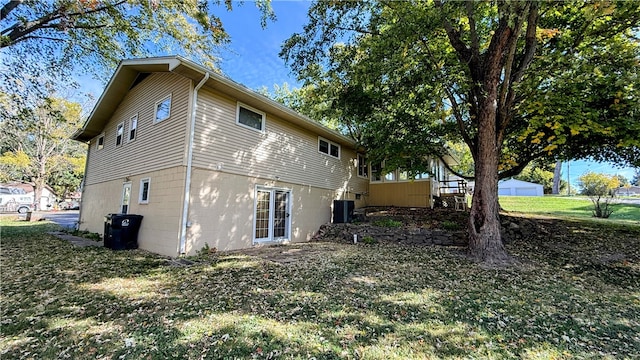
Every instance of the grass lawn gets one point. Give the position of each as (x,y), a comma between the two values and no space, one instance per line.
(577,295)
(569,207)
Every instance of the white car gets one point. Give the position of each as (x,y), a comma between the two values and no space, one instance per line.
(13,200)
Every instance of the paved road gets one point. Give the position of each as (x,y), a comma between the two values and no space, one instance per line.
(67,218)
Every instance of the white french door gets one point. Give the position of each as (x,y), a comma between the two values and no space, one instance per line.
(272,217)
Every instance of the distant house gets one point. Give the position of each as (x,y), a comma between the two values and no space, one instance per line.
(628,191)
(207,161)
(513,187)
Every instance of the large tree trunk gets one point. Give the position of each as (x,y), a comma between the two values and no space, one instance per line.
(38,184)
(557,172)
(485,239)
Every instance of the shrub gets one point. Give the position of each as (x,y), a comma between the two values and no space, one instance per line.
(450,225)
(386,222)
(369,240)
(600,189)
(85,234)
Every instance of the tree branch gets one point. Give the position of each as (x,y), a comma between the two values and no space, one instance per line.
(18,31)
(466,177)
(507,93)
(464,54)
(59,26)
(38,37)
(98,9)
(459,120)
(475,43)
(530,43)
(9,7)
(516,170)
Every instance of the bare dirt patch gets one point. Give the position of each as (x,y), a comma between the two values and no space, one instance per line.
(287,253)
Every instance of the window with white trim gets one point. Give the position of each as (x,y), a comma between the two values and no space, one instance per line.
(363,169)
(100,142)
(376,172)
(144,191)
(133,127)
(119,134)
(163,109)
(249,117)
(328,147)
(390,176)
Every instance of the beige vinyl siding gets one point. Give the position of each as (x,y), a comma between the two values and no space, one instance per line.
(157,146)
(160,227)
(282,152)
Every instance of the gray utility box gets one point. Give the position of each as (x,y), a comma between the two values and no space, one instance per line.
(121,231)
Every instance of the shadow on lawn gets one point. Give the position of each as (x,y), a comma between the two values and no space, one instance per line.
(378,301)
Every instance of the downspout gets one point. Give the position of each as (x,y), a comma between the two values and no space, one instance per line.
(187,183)
(83,184)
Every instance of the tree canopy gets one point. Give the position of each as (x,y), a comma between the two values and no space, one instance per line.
(100,33)
(392,63)
(36,145)
(516,81)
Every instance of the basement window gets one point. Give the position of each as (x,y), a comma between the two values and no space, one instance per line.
(144,191)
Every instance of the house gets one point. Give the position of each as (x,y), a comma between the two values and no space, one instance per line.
(513,187)
(630,190)
(208,162)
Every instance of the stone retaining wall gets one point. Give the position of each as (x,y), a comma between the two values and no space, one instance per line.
(420,227)
(400,235)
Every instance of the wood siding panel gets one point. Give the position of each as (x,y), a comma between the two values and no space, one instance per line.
(283,151)
(403,194)
(156,146)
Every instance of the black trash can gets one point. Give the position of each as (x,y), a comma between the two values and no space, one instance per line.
(343,211)
(107,231)
(121,231)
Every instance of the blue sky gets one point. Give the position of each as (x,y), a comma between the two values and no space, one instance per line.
(252,59)
(580,167)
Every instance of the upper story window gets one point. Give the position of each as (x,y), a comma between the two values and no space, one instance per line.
(249,117)
(119,134)
(328,147)
(363,169)
(133,126)
(163,109)
(100,142)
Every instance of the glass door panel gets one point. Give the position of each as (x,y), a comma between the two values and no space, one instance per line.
(126,197)
(272,214)
(263,203)
(281,214)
